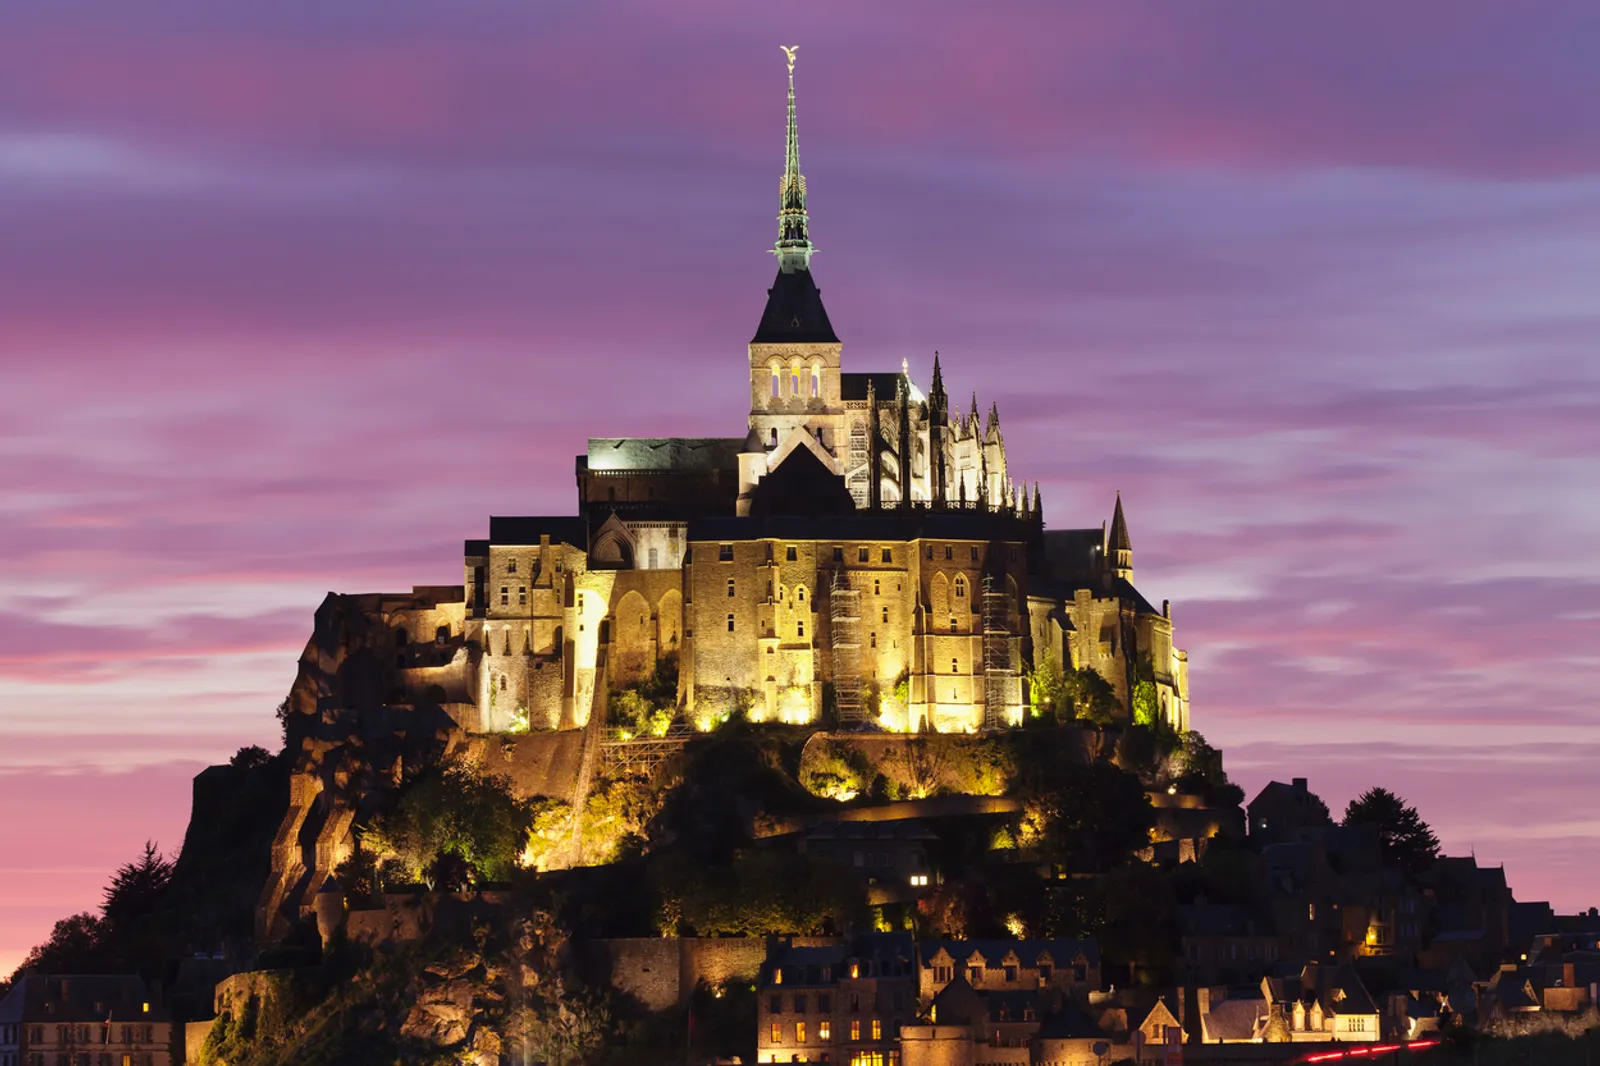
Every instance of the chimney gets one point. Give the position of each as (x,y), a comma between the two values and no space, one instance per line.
(1299,784)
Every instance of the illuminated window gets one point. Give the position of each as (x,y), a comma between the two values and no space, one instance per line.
(855,971)
(961,587)
(730,623)
(777,977)
(791,554)
(855,1029)
(824,1030)
(774,1036)
(877,1029)
(799,1032)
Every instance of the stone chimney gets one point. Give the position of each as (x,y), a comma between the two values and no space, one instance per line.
(1299,784)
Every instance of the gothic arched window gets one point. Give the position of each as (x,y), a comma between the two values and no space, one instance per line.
(816,382)
(775,384)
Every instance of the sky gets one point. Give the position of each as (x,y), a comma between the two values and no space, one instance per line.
(294,295)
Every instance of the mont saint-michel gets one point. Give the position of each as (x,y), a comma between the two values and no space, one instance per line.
(806,740)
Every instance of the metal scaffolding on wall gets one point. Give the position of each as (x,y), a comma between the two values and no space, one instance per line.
(999,675)
(844,603)
(639,756)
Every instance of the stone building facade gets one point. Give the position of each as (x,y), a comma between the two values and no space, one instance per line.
(860,551)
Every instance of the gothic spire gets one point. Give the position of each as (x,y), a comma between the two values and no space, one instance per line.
(794,243)
(1038,507)
(1119,529)
(1119,548)
(938,378)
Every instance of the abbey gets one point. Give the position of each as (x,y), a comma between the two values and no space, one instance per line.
(859,553)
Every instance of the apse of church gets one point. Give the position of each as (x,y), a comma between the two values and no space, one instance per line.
(857,554)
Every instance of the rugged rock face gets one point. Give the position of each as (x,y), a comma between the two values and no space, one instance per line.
(382,691)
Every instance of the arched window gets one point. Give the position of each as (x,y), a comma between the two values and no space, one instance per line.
(502,682)
(774,435)
(794,383)
(775,385)
(400,637)
(800,594)
(816,382)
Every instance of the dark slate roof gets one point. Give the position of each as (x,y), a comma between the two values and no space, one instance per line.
(885,386)
(1072,553)
(1062,952)
(802,486)
(87,998)
(794,313)
(1071,1022)
(520,530)
(664,453)
(1236,1019)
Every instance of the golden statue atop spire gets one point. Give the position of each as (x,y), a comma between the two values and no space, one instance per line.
(789,50)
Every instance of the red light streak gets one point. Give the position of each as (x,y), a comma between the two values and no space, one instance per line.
(1368,1051)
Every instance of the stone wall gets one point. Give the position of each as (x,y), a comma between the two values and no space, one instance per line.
(662,972)
(194,1040)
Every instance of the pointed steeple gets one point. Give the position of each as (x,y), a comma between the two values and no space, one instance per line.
(1038,507)
(794,246)
(1119,549)
(938,377)
(972,416)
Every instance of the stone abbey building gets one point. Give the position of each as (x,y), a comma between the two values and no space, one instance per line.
(858,551)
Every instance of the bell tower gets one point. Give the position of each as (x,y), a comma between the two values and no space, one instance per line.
(794,355)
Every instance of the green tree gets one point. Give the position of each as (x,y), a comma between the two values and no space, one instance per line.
(454,817)
(1092,698)
(1087,817)
(1047,690)
(1406,840)
(76,945)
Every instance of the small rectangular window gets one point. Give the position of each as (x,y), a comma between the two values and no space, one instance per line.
(791,554)
(511,566)
(725,553)
(930,551)
(863,554)
(886,616)
(949,551)
(522,595)
(838,554)
(505,596)
(776,1006)
(730,588)
(800,630)
(888,555)
(799,1004)
(730,623)
(974,553)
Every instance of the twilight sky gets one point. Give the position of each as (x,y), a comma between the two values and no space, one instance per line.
(293,295)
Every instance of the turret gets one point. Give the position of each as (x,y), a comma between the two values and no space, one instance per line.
(1119,549)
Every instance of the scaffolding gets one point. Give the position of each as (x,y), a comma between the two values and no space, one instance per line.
(640,756)
(845,618)
(999,674)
